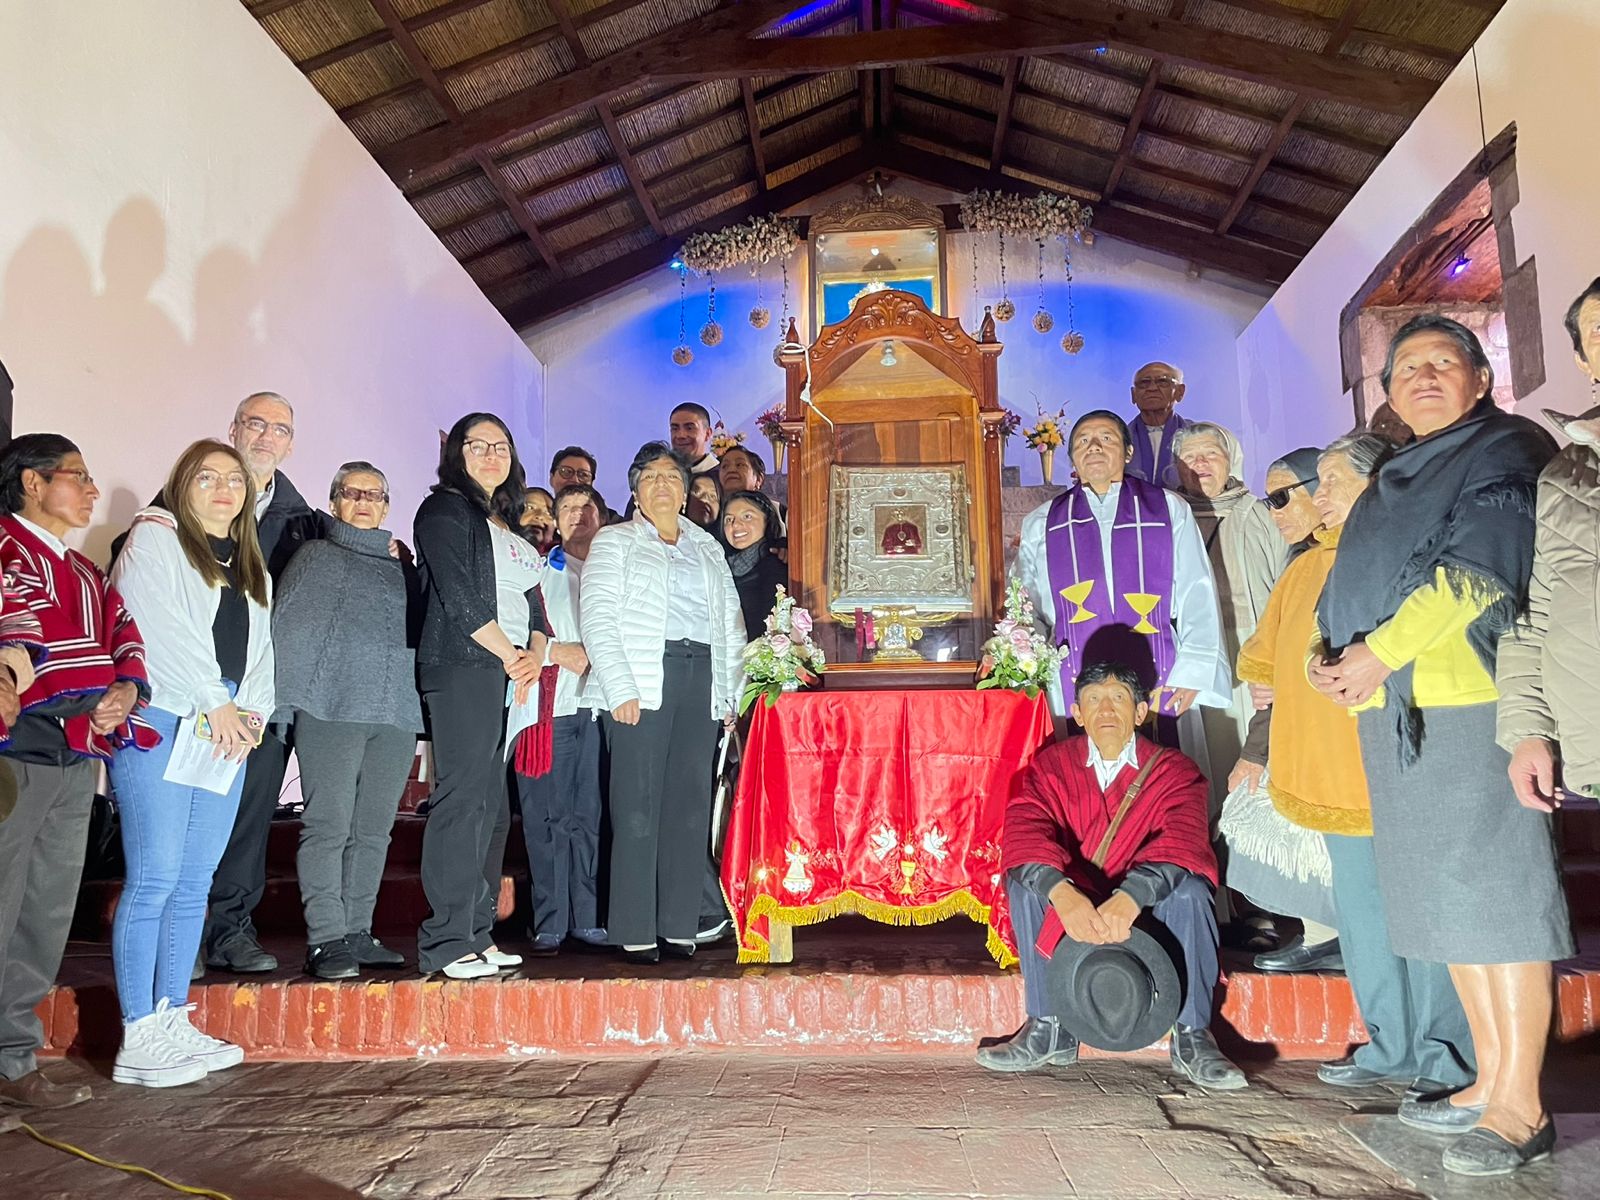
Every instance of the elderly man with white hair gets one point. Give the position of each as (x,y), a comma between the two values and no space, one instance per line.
(1157,388)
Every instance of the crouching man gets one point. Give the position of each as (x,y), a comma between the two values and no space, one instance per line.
(1107,830)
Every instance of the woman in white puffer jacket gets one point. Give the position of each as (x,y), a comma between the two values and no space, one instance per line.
(665,639)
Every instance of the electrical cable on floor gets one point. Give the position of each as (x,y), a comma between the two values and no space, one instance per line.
(126,1168)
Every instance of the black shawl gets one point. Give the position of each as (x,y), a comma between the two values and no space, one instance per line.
(1462,499)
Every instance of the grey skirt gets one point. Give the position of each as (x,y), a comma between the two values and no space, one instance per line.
(1466,873)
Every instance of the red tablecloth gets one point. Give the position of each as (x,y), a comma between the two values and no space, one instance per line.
(888,804)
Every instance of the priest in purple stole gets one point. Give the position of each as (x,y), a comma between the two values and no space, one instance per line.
(1157,388)
(1118,573)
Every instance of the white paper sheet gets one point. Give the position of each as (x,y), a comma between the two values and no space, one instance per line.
(193,765)
(519,716)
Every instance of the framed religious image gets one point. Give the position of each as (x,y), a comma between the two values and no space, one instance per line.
(898,537)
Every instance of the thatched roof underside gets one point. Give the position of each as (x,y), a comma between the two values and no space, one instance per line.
(559,148)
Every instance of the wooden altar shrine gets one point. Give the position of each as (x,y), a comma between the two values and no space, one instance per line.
(892,418)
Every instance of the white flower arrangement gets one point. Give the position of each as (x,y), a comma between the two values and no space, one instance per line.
(784,658)
(1018,656)
(757,240)
(1044,215)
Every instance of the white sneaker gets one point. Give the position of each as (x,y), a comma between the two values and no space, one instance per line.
(150,1058)
(213,1054)
(499,958)
(474,966)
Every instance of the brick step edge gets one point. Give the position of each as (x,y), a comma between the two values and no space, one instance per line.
(1296,1017)
(402,905)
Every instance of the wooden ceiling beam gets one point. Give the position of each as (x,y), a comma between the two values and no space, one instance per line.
(419,63)
(1002,111)
(1233,108)
(1313,20)
(1187,141)
(724,49)
(1254,60)
(527,110)
(360,45)
(570,293)
(752,120)
(583,174)
(444,12)
(1196,245)
(1347,20)
(608,120)
(1141,106)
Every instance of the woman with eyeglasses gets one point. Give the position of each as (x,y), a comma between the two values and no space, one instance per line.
(195,581)
(1416,1029)
(481,623)
(1433,567)
(665,640)
(347,681)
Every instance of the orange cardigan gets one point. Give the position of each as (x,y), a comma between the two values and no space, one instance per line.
(1314,772)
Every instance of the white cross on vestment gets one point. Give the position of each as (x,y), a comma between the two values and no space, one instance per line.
(1138,525)
(1072,542)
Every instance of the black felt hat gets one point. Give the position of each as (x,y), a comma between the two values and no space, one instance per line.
(1123,996)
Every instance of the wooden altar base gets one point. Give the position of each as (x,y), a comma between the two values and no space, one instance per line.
(857,987)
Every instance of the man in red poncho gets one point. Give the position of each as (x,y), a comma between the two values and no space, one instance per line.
(1159,859)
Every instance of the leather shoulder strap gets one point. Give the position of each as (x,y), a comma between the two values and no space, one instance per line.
(1098,858)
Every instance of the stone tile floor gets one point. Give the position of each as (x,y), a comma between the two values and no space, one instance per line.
(704,1126)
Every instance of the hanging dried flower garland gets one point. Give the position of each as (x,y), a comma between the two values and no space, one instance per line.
(1041,216)
(711,332)
(681,353)
(753,242)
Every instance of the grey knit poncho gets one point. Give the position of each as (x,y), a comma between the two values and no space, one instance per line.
(339,632)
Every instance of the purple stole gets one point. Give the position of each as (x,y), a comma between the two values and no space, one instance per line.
(1156,471)
(1135,625)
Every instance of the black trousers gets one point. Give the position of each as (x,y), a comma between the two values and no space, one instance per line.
(241,877)
(467,712)
(661,805)
(1185,923)
(561,826)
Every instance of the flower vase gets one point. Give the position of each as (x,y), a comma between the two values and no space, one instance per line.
(1047,462)
(779,448)
(790,685)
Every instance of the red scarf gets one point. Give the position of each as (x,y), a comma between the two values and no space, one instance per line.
(536,744)
(1059,815)
(91,639)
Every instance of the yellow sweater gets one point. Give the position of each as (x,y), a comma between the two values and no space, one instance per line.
(1429,630)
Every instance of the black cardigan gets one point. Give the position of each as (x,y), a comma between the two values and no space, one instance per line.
(758,591)
(456,568)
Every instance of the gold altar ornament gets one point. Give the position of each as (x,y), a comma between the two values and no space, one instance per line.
(898,631)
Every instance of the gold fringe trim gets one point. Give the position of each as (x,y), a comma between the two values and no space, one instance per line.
(755,949)
(1345,822)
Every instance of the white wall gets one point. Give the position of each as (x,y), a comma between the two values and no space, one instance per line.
(1537,62)
(183,220)
(610,381)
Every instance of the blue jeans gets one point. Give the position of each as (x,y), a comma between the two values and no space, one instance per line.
(172,838)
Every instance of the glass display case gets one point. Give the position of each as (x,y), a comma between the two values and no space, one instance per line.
(892,419)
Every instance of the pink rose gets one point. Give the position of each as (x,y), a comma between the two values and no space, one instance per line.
(781,645)
(801,620)
(1021,640)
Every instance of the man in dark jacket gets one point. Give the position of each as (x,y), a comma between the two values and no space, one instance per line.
(263,434)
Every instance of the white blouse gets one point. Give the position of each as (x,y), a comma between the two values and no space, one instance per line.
(517,567)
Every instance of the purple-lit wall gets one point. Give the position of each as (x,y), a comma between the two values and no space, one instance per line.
(610,381)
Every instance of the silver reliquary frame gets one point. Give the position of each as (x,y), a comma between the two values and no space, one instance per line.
(898,536)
